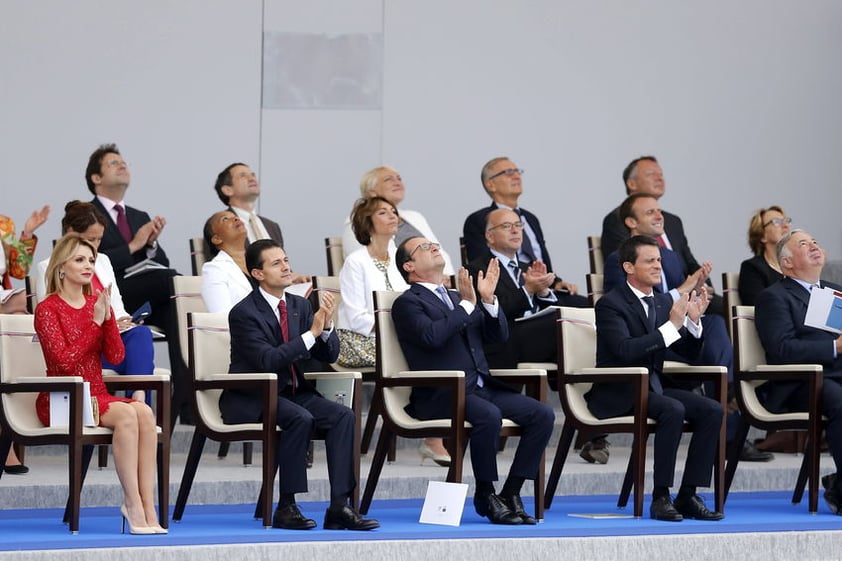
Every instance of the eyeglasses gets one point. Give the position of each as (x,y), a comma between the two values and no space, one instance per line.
(779,221)
(426,246)
(507,226)
(116,163)
(507,172)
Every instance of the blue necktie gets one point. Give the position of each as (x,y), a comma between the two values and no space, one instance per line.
(517,272)
(442,292)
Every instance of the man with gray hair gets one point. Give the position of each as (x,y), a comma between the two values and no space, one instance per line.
(780,312)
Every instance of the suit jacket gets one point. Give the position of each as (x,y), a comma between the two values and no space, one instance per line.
(223,284)
(474,233)
(532,341)
(614,232)
(433,337)
(755,275)
(256,346)
(624,338)
(671,265)
(117,249)
(779,317)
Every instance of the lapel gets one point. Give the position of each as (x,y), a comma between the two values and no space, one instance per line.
(637,306)
(797,291)
(269,322)
(294,312)
(431,299)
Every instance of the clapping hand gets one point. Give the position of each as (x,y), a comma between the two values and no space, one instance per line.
(487,283)
(102,306)
(697,304)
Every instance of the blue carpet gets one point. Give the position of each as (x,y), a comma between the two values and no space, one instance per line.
(230,524)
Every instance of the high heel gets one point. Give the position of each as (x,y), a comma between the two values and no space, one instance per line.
(426,452)
(158,529)
(133,530)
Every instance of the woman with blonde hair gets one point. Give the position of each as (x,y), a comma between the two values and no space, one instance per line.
(766,227)
(76,328)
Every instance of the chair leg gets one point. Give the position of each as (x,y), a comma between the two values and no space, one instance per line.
(564,441)
(193,457)
(163,462)
(85,462)
(625,490)
(102,458)
(371,422)
(5,446)
(734,454)
(393,446)
(383,443)
(248,452)
(258,508)
(223,450)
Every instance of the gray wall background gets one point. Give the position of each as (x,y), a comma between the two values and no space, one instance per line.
(738,100)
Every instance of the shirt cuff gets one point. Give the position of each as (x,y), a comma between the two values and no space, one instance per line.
(669,333)
(309,340)
(695,329)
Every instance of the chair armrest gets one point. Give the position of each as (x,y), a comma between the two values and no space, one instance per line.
(806,368)
(224,381)
(424,378)
(782,372)
(518,372)
(704,373)
(430,374)
(333,375)
(29,384)
(604,374)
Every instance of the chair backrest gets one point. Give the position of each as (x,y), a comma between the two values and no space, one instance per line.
(187,295)
(334,252)
(731,298)
(577,339)
(390,358)
(322,284)
(20,356)
(596,288)
(198,255)
(210,353)
(31,296)
(463,251)
(748,350)
(595,257)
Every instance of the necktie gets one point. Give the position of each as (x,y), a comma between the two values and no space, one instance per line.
(122,223)
(526,245)
(517,272)
(661,241)
(654,378)
(254,223)
(282,312)
(442,292)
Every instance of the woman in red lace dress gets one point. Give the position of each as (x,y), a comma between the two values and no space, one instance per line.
(76,328)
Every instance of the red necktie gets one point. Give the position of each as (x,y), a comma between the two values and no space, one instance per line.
(661,241)
(123,224)
(282,312)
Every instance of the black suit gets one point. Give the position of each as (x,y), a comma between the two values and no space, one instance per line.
(473,233)
(755,275)
(529,341)
(257,346)
(626,338)
(434,337)
(152,286)
(614,232)
(779,316)
(272,228)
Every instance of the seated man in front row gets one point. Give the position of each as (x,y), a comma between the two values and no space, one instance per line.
(780,311)
(276,332)
(634,327)
(440,330)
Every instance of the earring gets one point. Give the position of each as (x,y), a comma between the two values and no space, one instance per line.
(61,275)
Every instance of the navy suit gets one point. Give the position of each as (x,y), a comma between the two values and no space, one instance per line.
(625,338)
(529,341)
(779,317)
(434,337)
(476,246)
(717,349)
(272,228)
(257,346)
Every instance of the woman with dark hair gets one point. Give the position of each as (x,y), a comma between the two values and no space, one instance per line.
(767,226)
(85,220)
(76,328)
(225,279)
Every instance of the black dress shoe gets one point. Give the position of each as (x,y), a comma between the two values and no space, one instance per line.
(750,453)
(595,451)
(290,518)
(345,518)
(516,505)
(832,496)
(19,469)
(496,509)
(829,481)
(662,509)
(694,507)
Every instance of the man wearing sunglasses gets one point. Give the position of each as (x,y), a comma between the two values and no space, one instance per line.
(502,180)
(440,329)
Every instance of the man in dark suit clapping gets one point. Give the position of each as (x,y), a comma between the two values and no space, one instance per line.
(634,327)
(780,311)
(276,332)
(439,329)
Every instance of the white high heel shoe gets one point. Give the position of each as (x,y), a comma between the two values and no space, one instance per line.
(426,452)
(133,529)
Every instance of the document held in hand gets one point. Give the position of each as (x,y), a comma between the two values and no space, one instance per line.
(60,408)
(825,310)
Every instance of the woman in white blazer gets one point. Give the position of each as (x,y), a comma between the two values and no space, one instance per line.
(225,280)
(85,219)
(374,221)
(386,182)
